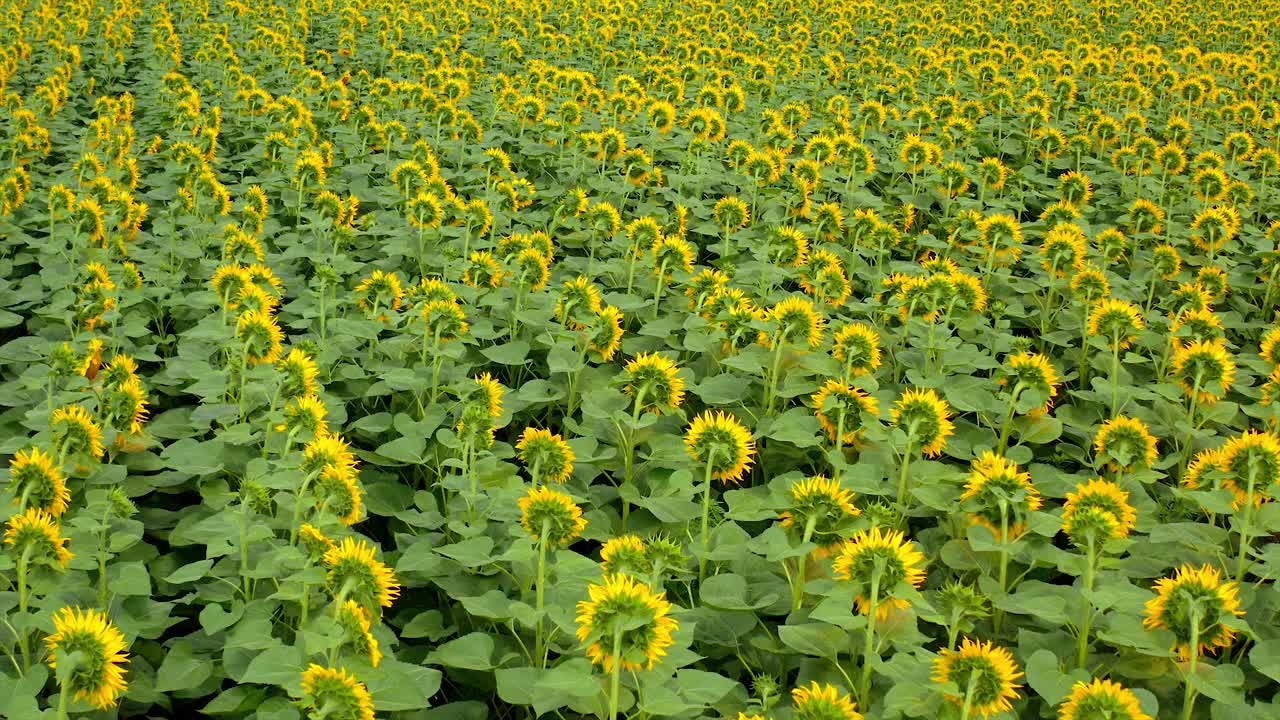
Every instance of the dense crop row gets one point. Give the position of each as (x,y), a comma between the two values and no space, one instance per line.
(810,360)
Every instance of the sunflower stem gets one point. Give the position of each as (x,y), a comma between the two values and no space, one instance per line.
(1082,641)
(1188,691)
(1007,426)
(1004,561)
(616,672)
(540,657)
(797,590)
(64,694)
(869,644)
(1246,519)
(902,474)
(661,285)
(1115,374)
(968,695)
(706,515)
(771,384)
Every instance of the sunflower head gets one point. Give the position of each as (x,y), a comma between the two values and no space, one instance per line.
(35,475)
(298,374)
(1098,508)
(490,393)
(796,320)
(840,407)
(999,495)
(1031,373)
(1205,370)
(883,559)
(722,443)
(338,691)
(623,621)
(126,406)
(327,450)
(703,286)
(857,347)
(579,301)
(260,336)
(1116,321)
(1194,597)
(1125,443)
(354,573)
(1269,348)
(604,334)
(356,622)
(98,678)
(1089,285)
(444,319)
(305,414)
(1166,261)
(654,382)
(36,535)
(823,702)
(990,670)
(483,271)
(547,456)
(551,514)
(820,508)
(1101,700)
(1251,463)
(1195,325)
(76,433)
(625,554)
(925,418)
(337,490)
(315,541)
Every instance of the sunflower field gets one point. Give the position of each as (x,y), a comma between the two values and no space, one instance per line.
(639,359)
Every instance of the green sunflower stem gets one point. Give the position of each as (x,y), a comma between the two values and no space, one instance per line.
(902,474)
(771,382)
(661,285)
(615,679)
(1246,520)
(998,618)
(967,707)
(1188,691)
(1082,364)
(1191,419)
(706,516)
(540,656)
(1082,641)
(297,509)
(869,644)
(797,590)
(1007,426)
(1115,375)
(64,695)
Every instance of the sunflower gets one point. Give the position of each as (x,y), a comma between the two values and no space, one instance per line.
(315,541)
(126,406)
(483,271)
(1098,506)
(338,491)
(75,432)
(604,336)
(36,534)
(491,393)
(444,320)
(98,678)
(623,621)
(35,476)
(1063,249)
(579,301)
(337,692)
(839,408)
(1101,700)
(1188,297)
(554,513)
(857,347)
(669,253)
(730,214)
(1269,348)
(823,702)
(327,450)
(624,554)
(1032,373)
(1194,598)
(261,338)
(1205,370)
(1075,188)
(1165,261)
(1118,321)
(1089,285)
(703,286)
(654,382)
(1126,443)
(305,413)
(925,418)
(1202,325)
(721,442)
(999,495)
(355,573)
(1252,465)
(795,319)
(356,623)
(987,673)
(821,507)
(299,375)
(888,551)
(547,456)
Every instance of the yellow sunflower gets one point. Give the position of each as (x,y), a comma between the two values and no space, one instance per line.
(337,692)
(623,621)
(1194,599)
(1101,699)
(897,560)
(355,573)
(547,456)
(721,442)
(99,677)
(984,672)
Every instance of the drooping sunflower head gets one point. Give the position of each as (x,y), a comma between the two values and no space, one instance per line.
(36,534)
(298,375)
(703,286)
(672,253)
(1117,321)
(125,406)
(1125,443)
(796,320)
(483,270)
(579,301)
(1195,325)
(444,320)
(1090,285)
(547,456)
(990,668)
(1188,297)
(970,295)
(720,442)
(260,336)
(553,513)
(1252,465)
(840,407)
(490,392)
(338,691)
(925,418)
(1064,249)
(306,415)
(1166,261)
(119,370)
(1269,348)
(1214,281)
(820,507)
(35,475)
(1101,700)
(532,268)
(227,281)
(1199,597)
(337,490)
(356,574)
(1075,188)
(999,495)
(430,290)
(624,554)
(823,702)
(315,541)
(604,334)
(857,347)
(75,432)
(327,450)
(1099,508)
(1205,370)
(621,609)
(888,553)
(356,622)
(654,382)
(731,213)
(1031,373)
(99,677)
